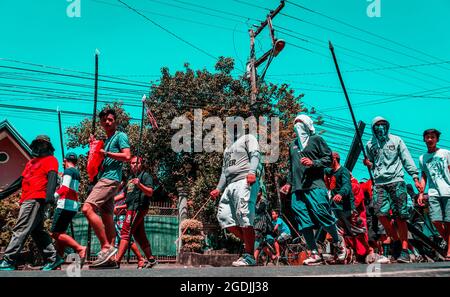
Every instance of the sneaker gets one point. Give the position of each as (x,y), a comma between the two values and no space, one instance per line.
(7,265)
(151,263)
(245,260)
(404,257)
(110,264)
(103,257)
(383,260)
(53,265)
(141,263)
(340,251)
(314,259)
(240,259)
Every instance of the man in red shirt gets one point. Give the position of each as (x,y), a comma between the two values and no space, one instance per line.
(38,182)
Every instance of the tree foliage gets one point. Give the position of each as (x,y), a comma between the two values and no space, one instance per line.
(216,94)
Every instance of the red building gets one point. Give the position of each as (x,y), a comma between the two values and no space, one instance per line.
(14,154)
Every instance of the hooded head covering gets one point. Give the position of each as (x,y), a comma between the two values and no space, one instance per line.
(304,128)
(380,132)
(41,146)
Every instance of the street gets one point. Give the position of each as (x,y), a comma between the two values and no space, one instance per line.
(439,269)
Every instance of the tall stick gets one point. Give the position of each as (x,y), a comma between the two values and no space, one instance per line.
(350,108)
(94,116)
(62,153)
(142,125)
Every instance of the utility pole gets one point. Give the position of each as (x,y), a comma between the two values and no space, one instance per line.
(277,46)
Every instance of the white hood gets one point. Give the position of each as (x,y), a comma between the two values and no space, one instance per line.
(304,129)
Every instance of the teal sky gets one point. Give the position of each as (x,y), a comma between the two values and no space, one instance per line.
(133,48)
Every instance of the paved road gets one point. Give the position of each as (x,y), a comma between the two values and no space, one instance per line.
(441,269)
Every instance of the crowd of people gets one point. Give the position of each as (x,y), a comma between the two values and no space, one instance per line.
(367,221)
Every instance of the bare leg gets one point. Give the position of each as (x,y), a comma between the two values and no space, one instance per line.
(97,225)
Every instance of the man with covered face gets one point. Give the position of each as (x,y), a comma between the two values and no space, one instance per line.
(38,182)
(387,155)
(239,187)
(309,155)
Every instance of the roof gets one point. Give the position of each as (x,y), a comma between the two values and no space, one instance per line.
(6,125)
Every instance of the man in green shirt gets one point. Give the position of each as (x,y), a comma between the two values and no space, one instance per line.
(101,198)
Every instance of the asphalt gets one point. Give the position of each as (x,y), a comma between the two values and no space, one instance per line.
(439,269)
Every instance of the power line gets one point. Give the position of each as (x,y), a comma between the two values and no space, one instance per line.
(169,32)
(365,31)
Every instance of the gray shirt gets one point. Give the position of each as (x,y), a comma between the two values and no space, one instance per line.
(239,159)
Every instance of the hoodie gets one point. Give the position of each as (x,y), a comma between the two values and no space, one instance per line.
(389,156)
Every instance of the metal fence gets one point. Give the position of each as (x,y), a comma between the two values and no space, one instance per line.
(161,226)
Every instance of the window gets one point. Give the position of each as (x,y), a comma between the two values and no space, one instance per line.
(4,157)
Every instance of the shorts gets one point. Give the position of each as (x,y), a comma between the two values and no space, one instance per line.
(312,207)
(102,195)
(393,197)
(61,220)
(237,204)
(439,209)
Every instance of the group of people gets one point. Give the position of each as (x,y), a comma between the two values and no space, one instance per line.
(39,183)
(357,218)
(360,219)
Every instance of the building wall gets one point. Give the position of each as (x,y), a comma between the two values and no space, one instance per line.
(12,169)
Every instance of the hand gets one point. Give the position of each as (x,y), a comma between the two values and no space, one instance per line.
(251,178)
(421,200)
(135,181)
(337,198)
(105,153)
(368,163)
(306,162)
(418,185)
(285,189)
(214,194)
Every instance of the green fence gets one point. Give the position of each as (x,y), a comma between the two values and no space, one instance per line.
(162,232)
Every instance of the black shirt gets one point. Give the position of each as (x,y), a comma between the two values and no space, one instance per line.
(303,178)
(135,198)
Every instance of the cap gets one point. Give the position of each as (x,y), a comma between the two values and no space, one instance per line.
(71,156)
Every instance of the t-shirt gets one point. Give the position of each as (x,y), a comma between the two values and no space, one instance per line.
(435,166)
(67,194)
(135,198)
(283,227)
(34,183)
(111,168)
(237,157)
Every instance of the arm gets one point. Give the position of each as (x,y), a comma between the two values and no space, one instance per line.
(346,184)
(407,161)
(325,159)
(123,156)
(52,182)
(148,191)
(119,197)
(254,154)
(12,188)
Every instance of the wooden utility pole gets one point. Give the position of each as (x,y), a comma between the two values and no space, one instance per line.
(277,46)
